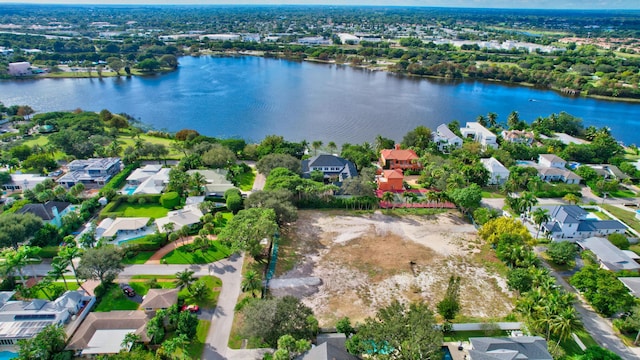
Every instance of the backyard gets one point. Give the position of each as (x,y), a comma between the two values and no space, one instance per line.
(141,210)
(365,261)
(189,255)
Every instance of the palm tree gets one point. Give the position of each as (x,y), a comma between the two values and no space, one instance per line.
(129,340)
(251,282)
(332,146)
(571,198)
(169,227)
(564,323)
(68,253)
(528,200)
(492,117)
(389,198)
(481,120)
(184,279)
(540,216)
(316,145)
(58,269)
(197,182)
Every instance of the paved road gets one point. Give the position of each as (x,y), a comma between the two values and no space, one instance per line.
(600,329)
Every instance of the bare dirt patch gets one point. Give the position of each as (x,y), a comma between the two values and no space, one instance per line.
(366,261)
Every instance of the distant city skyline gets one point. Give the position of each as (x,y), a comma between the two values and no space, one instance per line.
(506,4)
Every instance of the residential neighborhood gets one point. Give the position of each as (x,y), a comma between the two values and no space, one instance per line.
(119,247)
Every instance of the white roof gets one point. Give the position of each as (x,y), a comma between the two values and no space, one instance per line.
(188,216)
(477,127)
(494,166)
(143,173)
(154,184)
(106,341)
(128,224)
(608,254)
(552,158)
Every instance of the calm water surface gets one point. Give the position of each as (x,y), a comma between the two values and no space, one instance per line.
(251,97)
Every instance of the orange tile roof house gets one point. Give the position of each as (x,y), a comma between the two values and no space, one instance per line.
(391,180)
(399,159)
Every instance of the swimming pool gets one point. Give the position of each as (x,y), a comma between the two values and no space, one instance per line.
(129,189)
(6,355)
(447,353)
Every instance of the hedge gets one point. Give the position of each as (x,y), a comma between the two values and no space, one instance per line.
(170,200)
(117,181)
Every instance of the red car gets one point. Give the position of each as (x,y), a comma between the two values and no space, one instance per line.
(191,308)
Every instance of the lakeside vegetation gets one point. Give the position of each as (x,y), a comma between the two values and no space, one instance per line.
(559,52)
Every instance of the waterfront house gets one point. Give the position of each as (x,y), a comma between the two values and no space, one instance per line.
(22,68)
(498,173)
(573,222)
(50,212)
(608,171)
(480,134)
(399,159)
(333,167)
(391,180)
(216,179)
(552,168)
(608,255)
(187,216)
(518,136)
(446,139)
(124,228)
(150,179)
(512,348)
(91,172)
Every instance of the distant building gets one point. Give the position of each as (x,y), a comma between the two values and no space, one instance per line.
(480,134)
(23,182)
(110,228)
(608,171)
(446,139)
(498,174)
(217,182)
(511,348)
(91,172)
(333,167)
(518,136)
(221,37)
(399,159)
(314,40)
(20,68)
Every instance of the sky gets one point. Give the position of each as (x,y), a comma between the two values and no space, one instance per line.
(523,4)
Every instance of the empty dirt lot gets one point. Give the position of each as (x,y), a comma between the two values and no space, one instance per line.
(365,261)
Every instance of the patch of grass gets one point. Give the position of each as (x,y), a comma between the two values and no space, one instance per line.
(115,299)
(620,193)
(245,181)
(153,276)
(571,347)
(235,338)
(635,248)
(139,258)
(213,284)
(141,210)
(72,285)
(599,214)
(196,347)
(127,140)
(457,336)
(142,288)
(182,255)
(628,217)
(492,194)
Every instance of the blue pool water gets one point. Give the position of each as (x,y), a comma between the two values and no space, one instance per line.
(447,353)
(128,190)
(6,355)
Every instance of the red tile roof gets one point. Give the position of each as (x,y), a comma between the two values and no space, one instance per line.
(399,154)
(392,174)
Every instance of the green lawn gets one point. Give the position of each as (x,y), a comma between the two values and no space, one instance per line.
(182,255)
(465,335)
(153,276)
(492,195)
(48,252)
(628,217)
(142,288)
(245,181)
(127,140)
(155,211)
(71,284)
(213,283)
(571,347)
(115,299)
(226,217)
(196,347)
(139,258)
(623,193)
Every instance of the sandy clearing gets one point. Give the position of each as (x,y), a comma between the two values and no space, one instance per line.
(366,261)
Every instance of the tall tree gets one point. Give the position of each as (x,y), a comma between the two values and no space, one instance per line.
(184,279)
(540,216)
(103,263)
(251,282)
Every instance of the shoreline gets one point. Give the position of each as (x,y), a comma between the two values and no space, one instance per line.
(383,66)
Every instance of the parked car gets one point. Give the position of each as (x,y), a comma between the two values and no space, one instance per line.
(128,290)
(191,308)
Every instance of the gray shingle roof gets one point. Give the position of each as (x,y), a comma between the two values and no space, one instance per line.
(519,347)
(326,160)
(593,225)
(44,211)
(609,255)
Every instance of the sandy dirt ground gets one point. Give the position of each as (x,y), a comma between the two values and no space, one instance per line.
(366,261)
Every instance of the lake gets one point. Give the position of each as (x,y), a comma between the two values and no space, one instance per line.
(251,97)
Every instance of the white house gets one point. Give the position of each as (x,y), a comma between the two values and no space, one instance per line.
(446,139)
(23,182)
(550,160)
(572,222)
(480,134)
(333,167)
(20,68)
(498,173)
(552,168)
(150,179)
(518,136)
(121,227)
(187,216)
(90,172)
